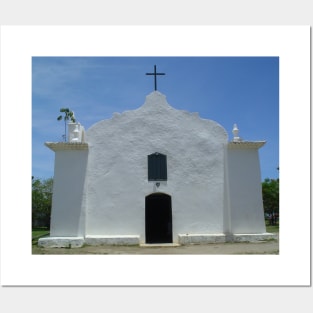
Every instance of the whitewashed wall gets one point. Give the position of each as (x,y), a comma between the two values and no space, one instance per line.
(101,179)
(67,214)
(117,181)
(245,214)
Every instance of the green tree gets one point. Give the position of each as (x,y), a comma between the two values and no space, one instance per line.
(41,201)
(68,116)
(270,193)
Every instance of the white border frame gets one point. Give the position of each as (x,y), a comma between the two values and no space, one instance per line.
(20,267)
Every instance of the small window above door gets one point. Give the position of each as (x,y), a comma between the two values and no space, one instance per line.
(157,167)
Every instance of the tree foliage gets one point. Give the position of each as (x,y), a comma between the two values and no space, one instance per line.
(41,201)
(270,193)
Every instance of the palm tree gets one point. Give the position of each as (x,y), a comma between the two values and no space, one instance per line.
(68,115)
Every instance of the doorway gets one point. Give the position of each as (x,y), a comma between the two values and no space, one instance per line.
(158,218)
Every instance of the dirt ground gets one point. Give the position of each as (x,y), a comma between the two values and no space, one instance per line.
(262,247)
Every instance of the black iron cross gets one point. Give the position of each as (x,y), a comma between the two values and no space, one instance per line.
(155,76)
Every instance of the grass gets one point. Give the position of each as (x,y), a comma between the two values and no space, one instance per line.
(272,228)
(38,233)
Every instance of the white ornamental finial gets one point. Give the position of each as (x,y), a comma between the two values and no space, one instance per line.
(235,133)
(75,134)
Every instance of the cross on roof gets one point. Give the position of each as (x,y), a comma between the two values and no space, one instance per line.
(155,76)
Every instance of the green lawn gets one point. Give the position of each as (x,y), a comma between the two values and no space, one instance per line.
(272,229)
(38,233)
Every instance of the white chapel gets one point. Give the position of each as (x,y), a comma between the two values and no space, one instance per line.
(155,175)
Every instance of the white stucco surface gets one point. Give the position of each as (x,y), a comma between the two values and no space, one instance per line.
(61,242)
(244,188)
(187,239)
(67,214)
(101,179)
(117,173)
(124,240)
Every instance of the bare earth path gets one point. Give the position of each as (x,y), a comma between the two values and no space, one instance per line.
(265,247)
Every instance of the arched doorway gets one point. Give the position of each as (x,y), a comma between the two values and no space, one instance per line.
(158,218)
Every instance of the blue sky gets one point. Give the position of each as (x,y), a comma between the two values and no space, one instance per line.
(228,90)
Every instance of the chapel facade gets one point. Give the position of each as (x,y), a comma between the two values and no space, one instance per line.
(155,175)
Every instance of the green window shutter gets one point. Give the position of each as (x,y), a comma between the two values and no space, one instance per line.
(157,167)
